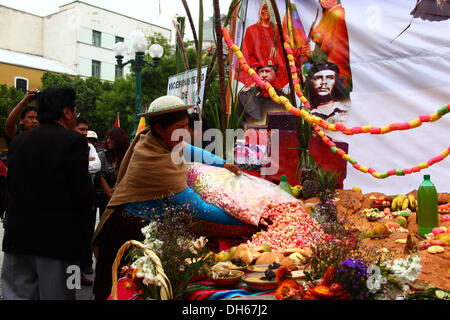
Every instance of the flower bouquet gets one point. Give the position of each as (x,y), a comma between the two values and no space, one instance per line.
(145,278)
(169,257)
(343,269)
(388,279)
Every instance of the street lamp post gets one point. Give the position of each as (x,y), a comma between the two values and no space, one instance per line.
(139,46)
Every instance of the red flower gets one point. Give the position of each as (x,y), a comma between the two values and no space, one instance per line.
(335,287)
(322,291)
(129,285)
(328,276)
(309,295)
(289,289)
(282,274)
(134,273)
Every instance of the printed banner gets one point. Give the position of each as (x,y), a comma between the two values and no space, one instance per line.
(363,63)
(184,85)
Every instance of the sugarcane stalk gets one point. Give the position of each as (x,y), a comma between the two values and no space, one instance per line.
(180,43)
(209,72)
(191,23)
(223,106)
(199,54)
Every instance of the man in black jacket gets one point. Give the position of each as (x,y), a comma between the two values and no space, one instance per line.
(49,198)
(255,102)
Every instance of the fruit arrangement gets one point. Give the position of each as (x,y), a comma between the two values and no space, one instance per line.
(444,208)
(403,213)
(383,201)
(384,229)
(436,241)
(297,191)
(373,214)
(403,202)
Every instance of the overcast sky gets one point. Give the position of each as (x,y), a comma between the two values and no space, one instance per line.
(159,12)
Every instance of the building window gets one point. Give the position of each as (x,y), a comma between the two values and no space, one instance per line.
(96,68)
(96,38)
(119,39)
(119,71)
(21,84)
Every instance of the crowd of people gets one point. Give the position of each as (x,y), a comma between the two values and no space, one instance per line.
(57,180)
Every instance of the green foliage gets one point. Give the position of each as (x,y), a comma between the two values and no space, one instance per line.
(233,5)
(337,247)
(120,98)
(211,104)
(9,98)
(433,293)
(51,79)
(326,210)
(155,80)
(327,181)
(100,101)
(171,237)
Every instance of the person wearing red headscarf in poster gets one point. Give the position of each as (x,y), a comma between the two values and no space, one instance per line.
(261,42)
(331,36)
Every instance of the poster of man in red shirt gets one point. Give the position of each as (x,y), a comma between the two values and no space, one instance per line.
(261,43)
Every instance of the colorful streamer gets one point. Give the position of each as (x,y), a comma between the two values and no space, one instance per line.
(318,122)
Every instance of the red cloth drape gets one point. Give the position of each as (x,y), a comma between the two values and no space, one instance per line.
(259,45)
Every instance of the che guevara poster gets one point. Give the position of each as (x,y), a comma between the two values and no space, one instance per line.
(388,62)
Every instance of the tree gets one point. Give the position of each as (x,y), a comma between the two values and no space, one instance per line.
(9,98)
(88,92)
(155,80)
(99,101)
(120,98)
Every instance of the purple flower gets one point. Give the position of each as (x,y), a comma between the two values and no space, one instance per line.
(350,263)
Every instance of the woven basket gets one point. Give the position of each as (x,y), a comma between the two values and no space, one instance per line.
(166,288)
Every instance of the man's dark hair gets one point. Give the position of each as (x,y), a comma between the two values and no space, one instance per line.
(273,66)
(26,110)
(166,119)
(52,102)
(338,92)
(81,120)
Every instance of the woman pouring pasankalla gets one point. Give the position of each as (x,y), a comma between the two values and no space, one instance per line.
(148,181)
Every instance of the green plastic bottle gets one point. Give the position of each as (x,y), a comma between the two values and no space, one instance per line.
(284,185)
(428,206)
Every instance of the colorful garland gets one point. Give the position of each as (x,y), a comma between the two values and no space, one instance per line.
(318,122)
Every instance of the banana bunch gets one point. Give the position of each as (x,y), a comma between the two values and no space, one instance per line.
(403,202)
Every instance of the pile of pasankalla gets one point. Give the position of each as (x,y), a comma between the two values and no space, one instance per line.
(289,227)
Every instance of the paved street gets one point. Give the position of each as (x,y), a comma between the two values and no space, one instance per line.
(85,293)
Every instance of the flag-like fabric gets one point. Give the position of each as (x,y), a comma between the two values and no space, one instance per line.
(292,25)
(117,124)
(141,125)
(208,52)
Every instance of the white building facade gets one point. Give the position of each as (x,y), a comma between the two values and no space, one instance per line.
(79,35)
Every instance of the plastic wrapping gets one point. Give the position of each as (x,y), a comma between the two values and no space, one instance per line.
(244,197)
